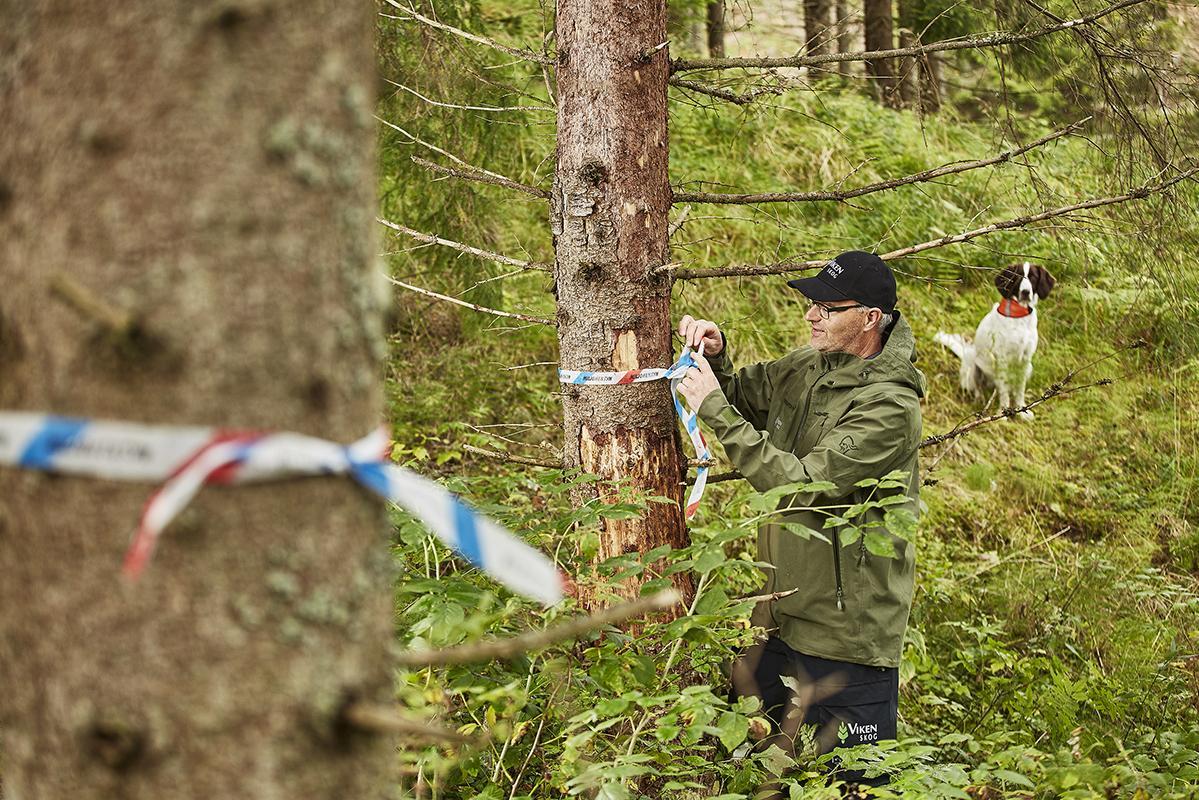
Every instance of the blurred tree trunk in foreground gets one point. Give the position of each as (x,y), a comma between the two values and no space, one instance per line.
(204,172)
(609,217)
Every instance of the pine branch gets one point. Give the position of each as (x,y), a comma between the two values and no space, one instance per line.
(472,306)
(429,238)
(995,39)
(926,175)
(1139,193)
(502,649)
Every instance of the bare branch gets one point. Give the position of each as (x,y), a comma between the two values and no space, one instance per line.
(387,719)
(1019,222)
(1139,193)
(114,320)
(995,39)
(495,177)
(724,94)
(527,55)
(926,175)
(514,459)
(429,238)
(482,176)
(678,222)
(500,649)
(464,304)
(457,107)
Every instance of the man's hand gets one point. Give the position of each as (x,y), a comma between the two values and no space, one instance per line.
(699,381)
(694,331)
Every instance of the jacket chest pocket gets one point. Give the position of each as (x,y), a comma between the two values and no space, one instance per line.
(780,422)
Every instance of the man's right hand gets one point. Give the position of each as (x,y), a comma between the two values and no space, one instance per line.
(696,331)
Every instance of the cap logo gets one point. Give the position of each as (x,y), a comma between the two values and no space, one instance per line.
(833,269)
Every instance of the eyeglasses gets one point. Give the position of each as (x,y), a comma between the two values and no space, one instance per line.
(825,311)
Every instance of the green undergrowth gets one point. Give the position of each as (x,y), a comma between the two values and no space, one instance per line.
(1054,643)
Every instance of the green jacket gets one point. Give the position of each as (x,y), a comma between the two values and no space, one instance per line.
(836,417)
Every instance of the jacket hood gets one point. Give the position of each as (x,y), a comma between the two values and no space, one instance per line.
(895,364)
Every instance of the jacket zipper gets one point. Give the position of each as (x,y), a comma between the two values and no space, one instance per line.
(836,536)
(837,569)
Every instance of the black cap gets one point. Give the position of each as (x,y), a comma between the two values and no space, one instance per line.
(854,275)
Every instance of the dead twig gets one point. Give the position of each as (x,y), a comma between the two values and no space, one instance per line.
(376,718)
(472,306)
(117,322)
(482,176)
(429,238)
(527,55)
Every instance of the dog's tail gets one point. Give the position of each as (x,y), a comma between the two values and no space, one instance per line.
(959,344)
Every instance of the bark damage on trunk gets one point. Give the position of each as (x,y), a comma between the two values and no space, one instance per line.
(204,172)
(609,217)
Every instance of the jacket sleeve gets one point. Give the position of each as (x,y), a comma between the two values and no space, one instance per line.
(747,390)
(864,443)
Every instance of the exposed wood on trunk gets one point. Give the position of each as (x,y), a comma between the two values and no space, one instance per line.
(208,171)
(609,215)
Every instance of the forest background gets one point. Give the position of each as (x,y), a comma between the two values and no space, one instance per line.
(1054,644)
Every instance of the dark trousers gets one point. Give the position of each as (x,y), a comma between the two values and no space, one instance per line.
(849,704)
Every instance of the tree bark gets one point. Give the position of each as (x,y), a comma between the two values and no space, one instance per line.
(609,217)
(909,72)
(716,29)
(931,84)
(880,36)
(844,40)
(818,20)
(208,170)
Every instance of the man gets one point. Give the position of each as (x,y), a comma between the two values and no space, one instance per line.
(844,408)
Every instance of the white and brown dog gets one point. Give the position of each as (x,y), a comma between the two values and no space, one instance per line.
(1000,357)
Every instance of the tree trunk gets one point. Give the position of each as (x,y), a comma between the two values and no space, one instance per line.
(818,20)
(880,36)
(716,29)
(909,72)
(208,169)
(931,88)
(844,38)
(609,216)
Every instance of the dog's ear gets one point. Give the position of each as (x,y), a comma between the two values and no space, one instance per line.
(1007,281)
(1042,281)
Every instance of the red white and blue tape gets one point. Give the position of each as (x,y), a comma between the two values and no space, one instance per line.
(187,458)
(674,373)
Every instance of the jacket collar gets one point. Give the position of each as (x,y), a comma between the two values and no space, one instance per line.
(893,363)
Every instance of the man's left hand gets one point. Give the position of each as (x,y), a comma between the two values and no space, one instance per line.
(699,382)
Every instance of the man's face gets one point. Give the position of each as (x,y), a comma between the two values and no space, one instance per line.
(842,331)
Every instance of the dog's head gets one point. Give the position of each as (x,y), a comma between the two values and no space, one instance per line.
(1025,283)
